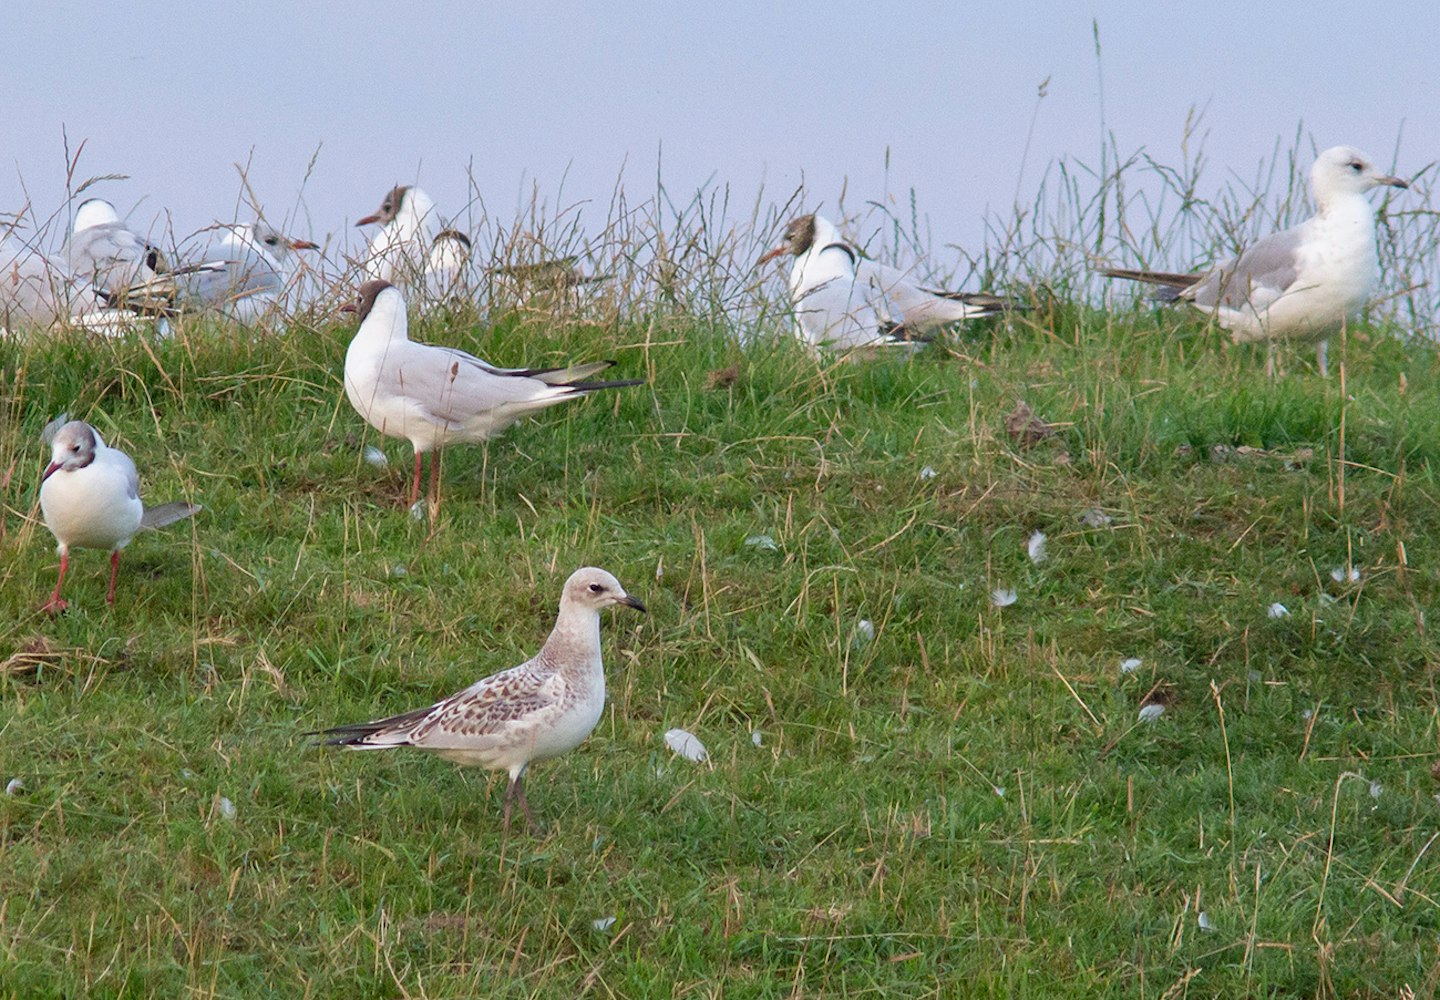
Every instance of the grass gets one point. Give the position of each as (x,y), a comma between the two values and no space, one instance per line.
(961,805)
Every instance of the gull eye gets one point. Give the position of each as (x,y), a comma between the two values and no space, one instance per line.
(1356,166)
(596,588)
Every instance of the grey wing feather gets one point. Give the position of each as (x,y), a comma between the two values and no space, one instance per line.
(110,255)
(1258,277)
(454,386)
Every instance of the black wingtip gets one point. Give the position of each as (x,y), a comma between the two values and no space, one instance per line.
(595,386)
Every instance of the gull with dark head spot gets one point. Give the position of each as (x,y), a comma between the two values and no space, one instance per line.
(1300,283)
(245,276)
(399,251)
(541,709)
(433,396)
(448,282)
(90,499)
(105,252)
(844,301)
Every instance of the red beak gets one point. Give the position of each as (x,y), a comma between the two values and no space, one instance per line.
(349,307)
(368,220)
(771,255)
(52,467)
(303,245)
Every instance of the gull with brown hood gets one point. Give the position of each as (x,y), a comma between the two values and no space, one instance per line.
(845,301)
(408,224)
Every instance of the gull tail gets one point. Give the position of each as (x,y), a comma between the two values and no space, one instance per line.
(1169,284)
(168,513)
(160,295)
(597,386)
(568,375)
(362,735)
(980,304)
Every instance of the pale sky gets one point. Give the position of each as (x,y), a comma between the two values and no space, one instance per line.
(741,93)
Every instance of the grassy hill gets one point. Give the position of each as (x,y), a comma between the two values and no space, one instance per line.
(910,792)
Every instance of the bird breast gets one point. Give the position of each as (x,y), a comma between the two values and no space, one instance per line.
(91,508)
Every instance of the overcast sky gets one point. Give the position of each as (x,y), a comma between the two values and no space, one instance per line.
(745,93)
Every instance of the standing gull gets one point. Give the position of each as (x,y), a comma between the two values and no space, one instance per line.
(844,301)
(1300,283)
(541,709)
(90,499)
(399,251)
(432,396)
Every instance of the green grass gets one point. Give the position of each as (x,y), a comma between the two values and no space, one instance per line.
(963,805)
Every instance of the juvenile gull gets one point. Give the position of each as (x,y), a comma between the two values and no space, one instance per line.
(541,709)
(1302,282)
(90,499)
(433,396)
(409,224)
(844,300)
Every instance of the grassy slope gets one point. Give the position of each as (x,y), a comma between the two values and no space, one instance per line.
(961,806)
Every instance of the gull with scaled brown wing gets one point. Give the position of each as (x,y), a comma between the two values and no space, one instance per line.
(541,709)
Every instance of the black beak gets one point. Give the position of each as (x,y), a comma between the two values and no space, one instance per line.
(632,602)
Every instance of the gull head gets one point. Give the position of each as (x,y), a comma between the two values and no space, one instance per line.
(593,588)
(369,294)
(276,243)
(1342,170)
(799,237)
(450,248)
(263,236)
(95,212)
(389,208)
(73,448)
(409,204)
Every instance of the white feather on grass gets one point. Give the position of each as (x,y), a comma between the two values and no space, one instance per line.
(686,744)
(1035,548)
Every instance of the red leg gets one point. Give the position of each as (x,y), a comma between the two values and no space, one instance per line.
(435,481)
(54,606)
(415,487)
(114,572)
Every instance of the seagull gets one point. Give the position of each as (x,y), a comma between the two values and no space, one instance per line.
(845,301)
(541,709)
(447,271)
(244,275)
(435,395)
(90,499)
(1300,283)
(39,292)
(103,251)
(398,252)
